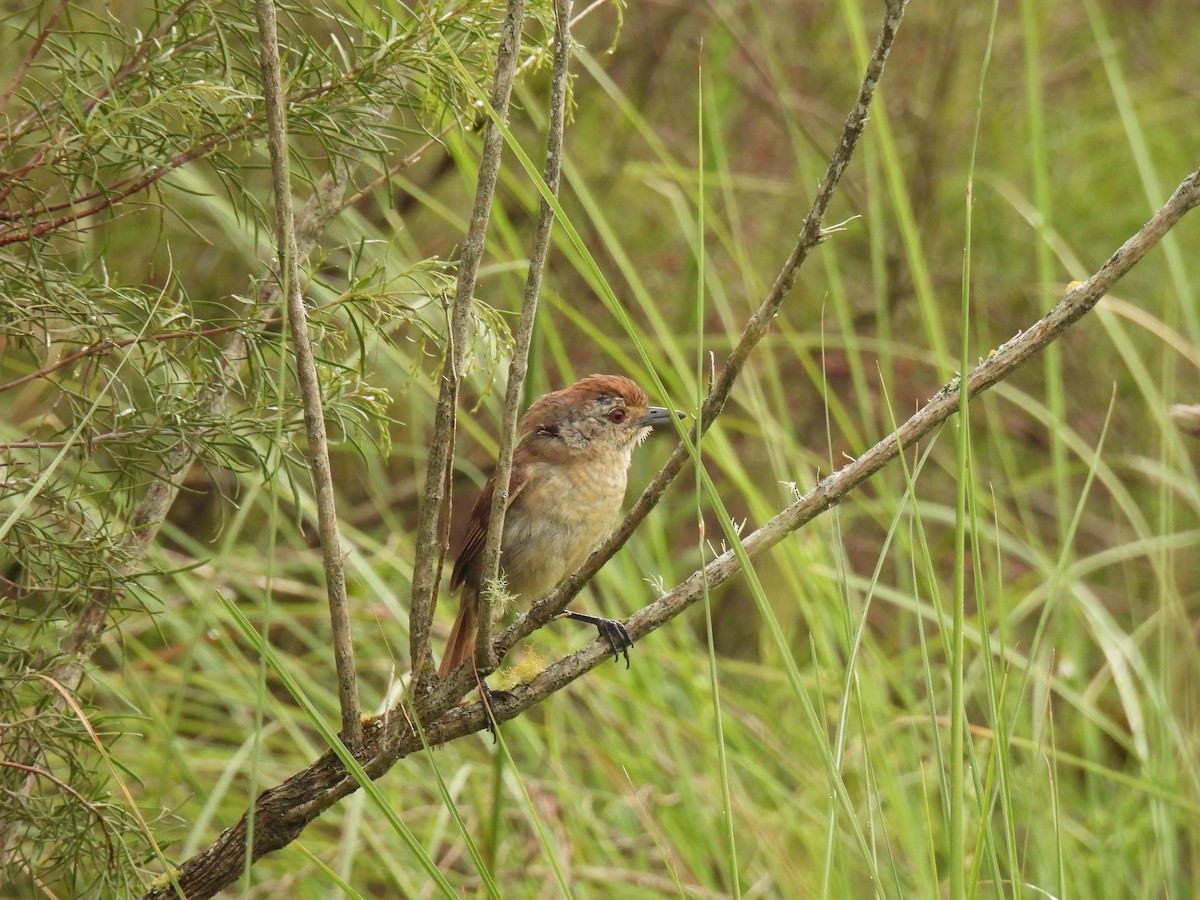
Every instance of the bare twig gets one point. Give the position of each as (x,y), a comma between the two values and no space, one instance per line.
(432,521)
(811,234)
(310,387)
(524,335)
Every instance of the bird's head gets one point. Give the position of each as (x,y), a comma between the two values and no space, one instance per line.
(599,415)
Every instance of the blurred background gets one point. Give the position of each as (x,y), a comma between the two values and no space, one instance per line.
(792,740)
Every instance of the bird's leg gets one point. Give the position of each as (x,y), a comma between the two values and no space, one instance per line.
(490,698)
(619,640)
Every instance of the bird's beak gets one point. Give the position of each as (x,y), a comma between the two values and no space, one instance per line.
(658,415)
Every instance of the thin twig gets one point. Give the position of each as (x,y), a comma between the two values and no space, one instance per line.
(90,441)
(310,386)
(811,234)
(524,334)
(433,520)
(394,170)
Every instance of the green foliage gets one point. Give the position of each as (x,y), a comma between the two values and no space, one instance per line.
(140,333)
(834,663)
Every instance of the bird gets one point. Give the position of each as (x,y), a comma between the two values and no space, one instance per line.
(567,483)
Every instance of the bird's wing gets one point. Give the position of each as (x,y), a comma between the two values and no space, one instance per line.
(471,551)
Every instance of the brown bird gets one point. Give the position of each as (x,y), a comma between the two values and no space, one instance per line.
(568,481)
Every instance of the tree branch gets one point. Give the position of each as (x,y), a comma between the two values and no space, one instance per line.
(434,517)
(519,365)
(306,373)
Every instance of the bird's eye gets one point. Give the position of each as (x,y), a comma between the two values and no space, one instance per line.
(617,416)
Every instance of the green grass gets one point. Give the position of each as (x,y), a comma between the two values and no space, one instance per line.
(794,735)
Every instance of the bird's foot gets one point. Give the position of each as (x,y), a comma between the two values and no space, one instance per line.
(618,637)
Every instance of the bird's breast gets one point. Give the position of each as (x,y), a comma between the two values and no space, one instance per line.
(557,520)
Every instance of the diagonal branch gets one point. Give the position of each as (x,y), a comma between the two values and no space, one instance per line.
(999,365)
(281,813)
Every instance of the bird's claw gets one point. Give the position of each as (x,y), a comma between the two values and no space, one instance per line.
(617,635)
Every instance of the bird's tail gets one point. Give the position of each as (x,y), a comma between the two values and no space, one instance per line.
(462,635)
